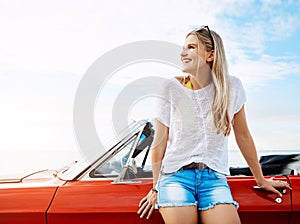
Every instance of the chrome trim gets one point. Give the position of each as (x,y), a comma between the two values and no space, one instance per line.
(20,180)
(129,163)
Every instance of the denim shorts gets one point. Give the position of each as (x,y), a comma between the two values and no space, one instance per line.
(202,188)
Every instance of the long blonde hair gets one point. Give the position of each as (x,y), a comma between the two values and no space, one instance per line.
(219,70)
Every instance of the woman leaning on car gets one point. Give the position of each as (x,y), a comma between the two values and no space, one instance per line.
(195,116)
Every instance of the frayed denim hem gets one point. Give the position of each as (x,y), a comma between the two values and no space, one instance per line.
(162,205)
(219,203)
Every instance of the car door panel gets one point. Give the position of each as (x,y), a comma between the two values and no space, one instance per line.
(295,184)
(25,205)
(257,205)
(92,201)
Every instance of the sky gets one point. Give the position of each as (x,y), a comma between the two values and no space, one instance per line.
(47,46)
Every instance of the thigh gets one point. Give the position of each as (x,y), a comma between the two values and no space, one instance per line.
(176,189)
(223,213)
(179,215)
(213,190)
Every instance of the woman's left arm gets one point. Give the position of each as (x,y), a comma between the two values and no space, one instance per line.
(247,147)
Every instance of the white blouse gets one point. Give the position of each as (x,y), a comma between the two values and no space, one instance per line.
(192,134)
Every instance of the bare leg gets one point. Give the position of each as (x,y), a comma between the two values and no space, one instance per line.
(220,214)
(180,215)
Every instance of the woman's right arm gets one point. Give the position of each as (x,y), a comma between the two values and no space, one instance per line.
(147,204)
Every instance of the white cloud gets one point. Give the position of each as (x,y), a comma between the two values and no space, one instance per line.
(69,35)
(246,39)
(266,68)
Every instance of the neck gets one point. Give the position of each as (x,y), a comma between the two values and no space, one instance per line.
(201,80)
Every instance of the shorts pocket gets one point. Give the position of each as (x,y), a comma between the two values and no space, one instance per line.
(169,174)
(218,175)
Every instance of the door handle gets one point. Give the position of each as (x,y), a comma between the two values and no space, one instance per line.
(278,200)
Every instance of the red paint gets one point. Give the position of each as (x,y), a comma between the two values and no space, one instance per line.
(295,183)
(25,205)
(257,205)
(100,201)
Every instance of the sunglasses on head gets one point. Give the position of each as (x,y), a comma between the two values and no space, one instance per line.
(211,37)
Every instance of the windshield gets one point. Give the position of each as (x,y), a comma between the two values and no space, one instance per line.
(134,152)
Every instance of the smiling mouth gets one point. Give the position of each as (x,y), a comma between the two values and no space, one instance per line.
(186,60)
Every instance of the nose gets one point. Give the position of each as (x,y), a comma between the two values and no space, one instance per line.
(183,53)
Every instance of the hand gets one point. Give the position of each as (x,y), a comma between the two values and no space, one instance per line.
(147,204)
(271,185)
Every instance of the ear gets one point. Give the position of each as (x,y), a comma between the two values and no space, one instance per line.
(210,56)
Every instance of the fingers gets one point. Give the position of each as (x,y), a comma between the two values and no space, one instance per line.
(150,212)
(146,207)
(280,184)
(142,201)
(289,187)
(283,184)
(273,184)
(142,208)
(276,192)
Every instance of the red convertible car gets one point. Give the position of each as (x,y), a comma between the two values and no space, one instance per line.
(108,190)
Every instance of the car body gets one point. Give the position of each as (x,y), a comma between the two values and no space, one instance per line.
(109,189)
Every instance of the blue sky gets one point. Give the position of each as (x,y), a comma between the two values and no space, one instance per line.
(46,47)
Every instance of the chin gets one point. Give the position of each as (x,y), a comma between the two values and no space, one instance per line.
(187,70)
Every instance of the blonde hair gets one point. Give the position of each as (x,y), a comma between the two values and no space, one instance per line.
(219,70)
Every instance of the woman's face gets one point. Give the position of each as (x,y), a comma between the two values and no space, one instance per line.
(193,55)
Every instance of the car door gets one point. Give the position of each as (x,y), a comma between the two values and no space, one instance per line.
(257,206)
(25,204)
(295,184)
(100,201)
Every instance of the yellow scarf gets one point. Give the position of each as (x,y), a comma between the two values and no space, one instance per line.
(189,85)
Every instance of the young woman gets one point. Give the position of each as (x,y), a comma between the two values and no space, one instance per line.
(189,154)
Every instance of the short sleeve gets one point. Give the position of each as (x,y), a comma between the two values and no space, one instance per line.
(240,95)
(163,105)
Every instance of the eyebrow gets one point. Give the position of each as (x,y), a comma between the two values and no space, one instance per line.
(190,44)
